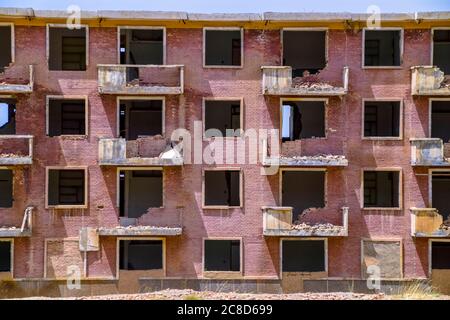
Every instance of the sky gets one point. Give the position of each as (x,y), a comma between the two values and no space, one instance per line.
(244,6)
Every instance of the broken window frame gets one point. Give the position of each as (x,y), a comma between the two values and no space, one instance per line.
(223,29)
(146,98)
(432,43)
(47,41)
(119,169)
(380,239)
(310,29)
(325,125)
(401,47)
(65,206)
(400,129)
(430,111)
(13,46)
(209,273)
(119,28)
(325,187)
(430,254)
(11,270)
(241,190)
(241,115)
(400,188)
(325,240)
(68,98)
(164,260)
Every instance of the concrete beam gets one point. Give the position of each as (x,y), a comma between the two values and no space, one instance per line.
(225,17)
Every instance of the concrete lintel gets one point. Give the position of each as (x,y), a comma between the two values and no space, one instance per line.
(15,88)
(140,231)
(16,161)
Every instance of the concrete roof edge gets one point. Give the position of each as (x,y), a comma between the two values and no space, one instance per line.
(225,17)
(181,15)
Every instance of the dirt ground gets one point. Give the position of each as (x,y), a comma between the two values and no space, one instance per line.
(208,295)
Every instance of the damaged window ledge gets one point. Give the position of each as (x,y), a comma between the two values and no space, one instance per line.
(382,209)
(221,207)
(222,274)
(72,136)
(383,138)
(382,67)
(84,206)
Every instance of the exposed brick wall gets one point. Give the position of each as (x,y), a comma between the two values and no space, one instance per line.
(183,186)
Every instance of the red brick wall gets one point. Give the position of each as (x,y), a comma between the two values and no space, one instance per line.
(183,186)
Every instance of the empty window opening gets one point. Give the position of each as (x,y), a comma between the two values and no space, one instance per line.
(304,51)
(67,49)
(140,118)
(303,255)
(5,256)
(66,117)
(303,120)
(141,254)
(139,191)
(222,255)
(6,45)
(440,120)
(382,48)
(6,188)
(222,116)
(381,189)
(440,189)
(440,255)
(66,187)
(441,50)
(381,119)
(302,190)
(7,116)
(223,47)
(222,188)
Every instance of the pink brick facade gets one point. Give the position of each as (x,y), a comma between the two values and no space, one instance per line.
(183,185)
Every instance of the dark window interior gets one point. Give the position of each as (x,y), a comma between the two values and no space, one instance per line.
(382,48)
(140,118)
(5,44)
(303,255)
(139,191)
(222,255)
(141,46)
(67,49)
(381,119)
(66,187)
(440,191)
(440,120)
(440,255)
(381,189)
(141,254)
(6,188)
(7,116)
(5,256)
(441,50)
(223,47)
(304,51)
(302,190)
(222,115)
(303,120)
(222,188)
(66,117)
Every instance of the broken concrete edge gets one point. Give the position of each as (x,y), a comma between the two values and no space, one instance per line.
(140,231)
(14,232)
(142,162)
(141,90)
(185,16)
(303,233)
(16,161)
(19,88)
(306,161)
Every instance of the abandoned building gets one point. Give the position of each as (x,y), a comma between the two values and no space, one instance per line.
(93,188)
